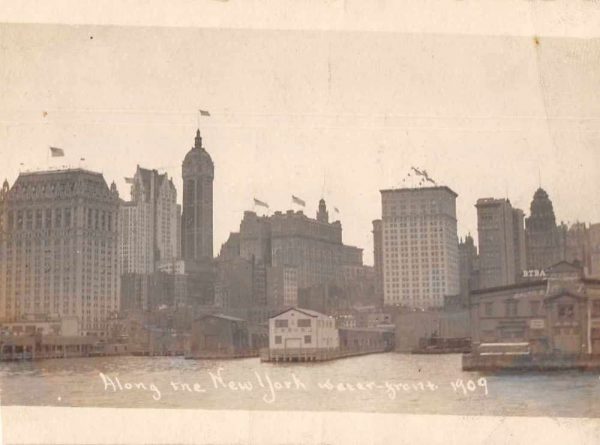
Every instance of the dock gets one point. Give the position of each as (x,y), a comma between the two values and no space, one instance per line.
(44,347)
(314,355)
(527,362)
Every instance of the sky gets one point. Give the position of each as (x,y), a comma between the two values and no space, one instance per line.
(314,113)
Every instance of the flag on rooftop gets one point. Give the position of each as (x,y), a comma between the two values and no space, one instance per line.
(258,202)
(204,113)
(298,201)
(129,180)
(56,152)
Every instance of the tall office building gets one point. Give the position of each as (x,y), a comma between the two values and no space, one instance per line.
(149,232)
(519,242)
(288,252)
(546,242)
(197,218)
(378,260)
(469,265)
(420,246)
(59,248)
(313,246)
(501,242)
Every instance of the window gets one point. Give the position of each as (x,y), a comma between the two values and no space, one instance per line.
(304,323)
(281,323)
(511,308)
(307,339)
(489,309)
(566,311)
(278,339)
(596,308)
(535,307)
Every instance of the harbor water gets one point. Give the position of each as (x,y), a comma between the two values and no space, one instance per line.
(390,382)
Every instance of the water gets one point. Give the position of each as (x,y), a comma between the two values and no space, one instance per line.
(390,382)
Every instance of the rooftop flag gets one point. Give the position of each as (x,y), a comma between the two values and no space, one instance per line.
(129,180)
(298,201)
(56,152)
(258,202)
(204,113)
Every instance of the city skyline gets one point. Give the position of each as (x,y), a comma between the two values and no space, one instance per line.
(286,134)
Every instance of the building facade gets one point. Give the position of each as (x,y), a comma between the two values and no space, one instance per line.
(579,246)
(198,173)
(420,246)
(297,328)
(469,265)
(312,246)
(149,223)
(215,336)
(289,251)
(545,240)
(558,314)
(501,242)
(59,248)
(378,260)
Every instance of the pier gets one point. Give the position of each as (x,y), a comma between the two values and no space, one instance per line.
(314,354)
(43,347)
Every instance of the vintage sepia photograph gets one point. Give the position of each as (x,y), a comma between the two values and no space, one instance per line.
(347,210)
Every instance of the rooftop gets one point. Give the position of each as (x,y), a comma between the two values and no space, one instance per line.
(420,189)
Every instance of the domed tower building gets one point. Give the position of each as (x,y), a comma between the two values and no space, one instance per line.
(198,173)
(544,239)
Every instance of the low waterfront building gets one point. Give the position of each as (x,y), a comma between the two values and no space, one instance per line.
(415,326)
(33,347)
(220,336)
(41,325)
(366,340)
(302,329)
(557,315)
(305,335)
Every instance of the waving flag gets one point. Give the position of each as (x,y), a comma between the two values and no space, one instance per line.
(298,201)
(204,113)
(424,175)
(258,202)
(129,180)
(336,210)
(56,152)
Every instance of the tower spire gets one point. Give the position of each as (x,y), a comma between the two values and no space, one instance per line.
(198,140)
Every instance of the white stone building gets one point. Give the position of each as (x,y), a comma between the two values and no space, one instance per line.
(419,246)
(149,223)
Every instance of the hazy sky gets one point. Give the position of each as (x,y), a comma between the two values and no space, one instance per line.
(310,113)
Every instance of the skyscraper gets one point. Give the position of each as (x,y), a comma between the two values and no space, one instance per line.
(378,260)
(469,265)
(290,251)
(546,242)
(149,232)
(420,246)
(501,242)
(197,218)
(59,248)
